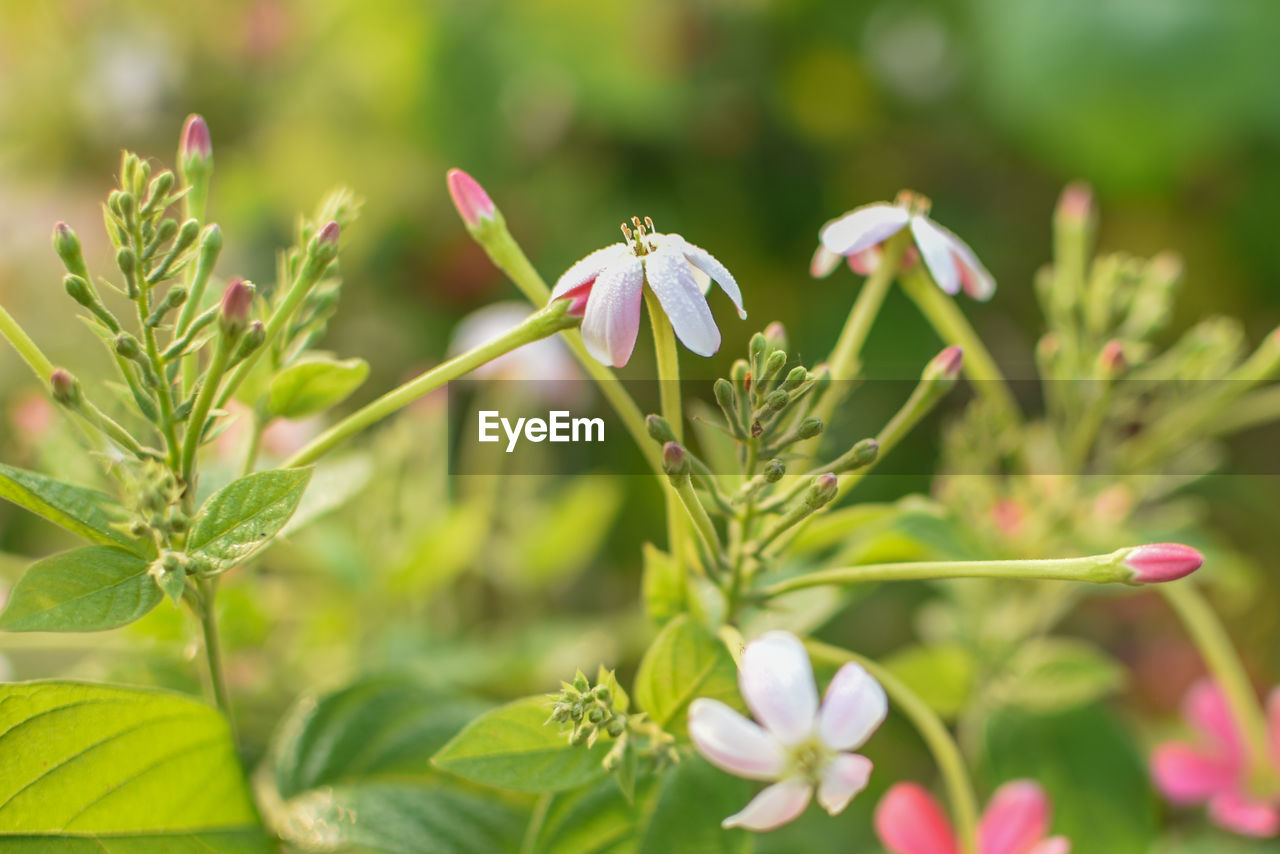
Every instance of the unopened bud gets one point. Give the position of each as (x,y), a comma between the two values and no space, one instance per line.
(159,189)
(1111,362)
(579,736)
(187,234)
(1075,205)
(78,290)
(821,490)
(126,345)
(795,378)
(777,361)
(659,429)
(596,715)
(127,261)
(473,203)
(196,147)
(860,456)
(603,694)
(724,394)
(254,337)
(580,683)
(757,348)
(810,427)
(66,388)
(237,299)
(778,400)
(776,334)
(211,240)
(675,459)
(616,727)
(946,365)
(774,470)
(67,245)
(1163,562)
(323,248)
(741,375)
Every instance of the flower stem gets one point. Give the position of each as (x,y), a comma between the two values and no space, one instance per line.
(540,324)
(200,409)
(208,588)
(1211,639)
(950,323)
(664,343)
(27,349)
(955,775)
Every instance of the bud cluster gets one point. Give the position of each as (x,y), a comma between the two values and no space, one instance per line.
(587,712)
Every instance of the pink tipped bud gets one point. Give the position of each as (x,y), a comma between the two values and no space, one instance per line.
(821,490)
(1075,205)
(776,334)
(196,143)
(65,388)
(237,299)
(330,233)
(1111,361)
(675,460)
(473,203)
(946,365)
(1163,562)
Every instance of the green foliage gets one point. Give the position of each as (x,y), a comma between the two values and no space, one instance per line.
(313,384)
(684,662)
(85,512)
(243,516)
(941,675)
(99,768)
(514,747)
(692,799)
(662,586)
(84,590)
(1058,673)
(596,819)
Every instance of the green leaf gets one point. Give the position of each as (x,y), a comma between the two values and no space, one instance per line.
(596,819)
(1059,673)
(101,768)
(692,799)
(684,662)
(513,747)
(314,384)
(244,515)
(83,590)
(940,674)
(1088,762)
(82,511)
(663,584)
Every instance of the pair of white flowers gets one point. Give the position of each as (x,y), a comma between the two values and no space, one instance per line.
(607,286)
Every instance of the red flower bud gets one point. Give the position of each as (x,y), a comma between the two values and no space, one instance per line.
(196,143)
(1163,562)
(472,202)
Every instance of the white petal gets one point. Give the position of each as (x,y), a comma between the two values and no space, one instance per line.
(587,269)
(935,247)
(776,680)
(854,706)
(863,228)
(672,281)
(773,807)
(707,263)
(978,282)
(734,744)
(847,775)
(612,319)
(824,262)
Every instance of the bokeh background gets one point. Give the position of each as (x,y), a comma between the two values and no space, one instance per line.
(743,124)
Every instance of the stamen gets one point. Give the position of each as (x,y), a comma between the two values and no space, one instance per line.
(626,232)
(648,222)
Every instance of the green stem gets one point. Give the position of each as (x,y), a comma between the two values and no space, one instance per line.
(213,649)
(697,513)
(164,392)
(668,361)
(1094,569)
(950,323)
(27,349)
(200,409)
(540,324)
(946,753)
(1211,639)
(255,445)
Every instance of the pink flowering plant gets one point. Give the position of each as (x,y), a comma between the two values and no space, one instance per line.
(726,716)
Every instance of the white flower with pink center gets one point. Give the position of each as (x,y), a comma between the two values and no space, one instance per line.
(798,744)
(607,287)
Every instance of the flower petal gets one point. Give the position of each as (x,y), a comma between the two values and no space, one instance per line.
(1053,845)
(936,249)
(1206,709)
(1016,819)
(847,775)
(978,282)
(707,263)
(909,820)
(1236,813)
(1187,775)
(854,706)
(612,319)
(672,281)
(864,263)
(734,744)
(776,680)
(773,807)
(864,227)
(587,269)
(824,262)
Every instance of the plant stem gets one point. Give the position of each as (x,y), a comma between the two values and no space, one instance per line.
(255,445)
(697,513)
(212,648)
(952,326)
(946,753)
(164,392)
(200,410)
(668,361)
(1095,569)
(540,324)
(27,349)
(1211,639)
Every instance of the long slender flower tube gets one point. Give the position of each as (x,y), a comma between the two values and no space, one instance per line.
(607,288)
(909,820)
(1214,769)
(798,745)
(858,235)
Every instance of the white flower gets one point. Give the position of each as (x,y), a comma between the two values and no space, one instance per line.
(800,746)
(858,234)
(607,286)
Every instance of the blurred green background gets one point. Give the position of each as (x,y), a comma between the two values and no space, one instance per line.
(742,124)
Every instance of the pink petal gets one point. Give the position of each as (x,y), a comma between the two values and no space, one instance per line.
(707,263)
(847,775)
(1205,708)
(863,228)
(824,262)
(854,706)
(864,263)
(734,744)
(773,807)
(978,282)
(1187,775)
(1273,715)
(612,319)
(1016,819)
(909,820)
(776,680)
(1239,814)
(671,279)
(588,269)
(1053,845)
(936,249)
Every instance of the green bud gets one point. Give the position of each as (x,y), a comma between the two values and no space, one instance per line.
(861,455)
(776,334)
(659,429)
(128,206)
(778,400)
(575,712)
(65,388)
(777,361)
(578,738)
(774,470)
(78,290)
(211,241)
(675,460)
(757,348)
(796,377)
(187,234)
(560,713)
(821,490)
(254,337)
(821,377)
(741,375)
(724,395)
(126,345)
(179,523)
(580,683)
(810,427)
(127,261)
(164,233)
(603,694)
(596,715)
(67,245)
(616,727)
(158,192)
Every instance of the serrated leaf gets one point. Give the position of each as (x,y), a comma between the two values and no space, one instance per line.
(314,384)
(101,768)
(513,747)
(83,590)
(244,515)
(684,662)
(84,512)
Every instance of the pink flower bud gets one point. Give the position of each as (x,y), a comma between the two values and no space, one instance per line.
(65,388)
(196,143)
(1163,562)
(330,233)
(675,460)
(236,302)
(1075,205)
(472,202)
(1112,360)
(946,365)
